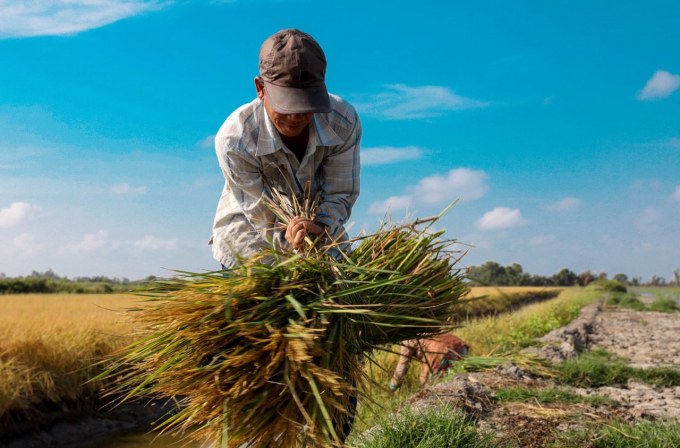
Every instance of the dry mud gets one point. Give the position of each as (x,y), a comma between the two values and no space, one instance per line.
(646,339)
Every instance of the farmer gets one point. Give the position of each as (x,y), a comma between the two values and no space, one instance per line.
(436,355)
(294,132)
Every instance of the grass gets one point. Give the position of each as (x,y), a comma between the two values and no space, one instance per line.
(47,347)
(600,368)
(508,332)
(645,434)
(439,427)
(546,396)
(661,304)
(625,300)
(664,305)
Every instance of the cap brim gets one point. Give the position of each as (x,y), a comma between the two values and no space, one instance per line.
(295,100)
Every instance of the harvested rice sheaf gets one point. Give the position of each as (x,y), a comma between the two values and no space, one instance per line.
(271,354)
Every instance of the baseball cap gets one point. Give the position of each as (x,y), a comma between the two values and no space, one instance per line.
(293,68)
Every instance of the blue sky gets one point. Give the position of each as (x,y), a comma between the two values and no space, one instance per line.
(556,123)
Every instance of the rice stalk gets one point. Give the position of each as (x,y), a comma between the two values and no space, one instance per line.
(271,353)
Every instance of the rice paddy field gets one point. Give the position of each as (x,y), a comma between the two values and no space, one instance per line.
(49,343)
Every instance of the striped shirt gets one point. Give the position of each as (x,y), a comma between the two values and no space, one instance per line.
(248,144)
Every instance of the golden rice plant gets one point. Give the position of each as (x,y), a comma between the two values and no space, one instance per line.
(270,353)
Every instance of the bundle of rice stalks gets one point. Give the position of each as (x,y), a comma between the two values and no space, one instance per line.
(271,354)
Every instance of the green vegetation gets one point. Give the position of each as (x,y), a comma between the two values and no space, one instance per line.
(439,427)
(545,396)
(609,285)
(600,368)
(643,435)
(664,305)
(50,283)
(625,300)
(493,274)
(509,332)
(618,435)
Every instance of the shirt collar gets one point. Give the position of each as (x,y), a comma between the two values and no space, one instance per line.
(269,141)
(325,135)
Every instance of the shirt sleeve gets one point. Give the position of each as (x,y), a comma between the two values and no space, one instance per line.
(245,184)
(341,184)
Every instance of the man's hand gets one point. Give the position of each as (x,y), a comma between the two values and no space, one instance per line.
(298,229)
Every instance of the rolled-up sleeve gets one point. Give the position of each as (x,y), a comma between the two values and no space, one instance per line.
(248,224)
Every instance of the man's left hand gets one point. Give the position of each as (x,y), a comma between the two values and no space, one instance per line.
(299,227)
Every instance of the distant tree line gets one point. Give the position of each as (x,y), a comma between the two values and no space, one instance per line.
(49,282)
(494,274)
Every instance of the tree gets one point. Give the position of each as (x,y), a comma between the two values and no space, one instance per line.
(602,276)
(565,278)
(621,278)
(676,275)
(585,277)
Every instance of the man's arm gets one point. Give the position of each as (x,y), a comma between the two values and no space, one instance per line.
(341,185)
(246,187)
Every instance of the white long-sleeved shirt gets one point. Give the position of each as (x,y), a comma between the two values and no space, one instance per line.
(248,144)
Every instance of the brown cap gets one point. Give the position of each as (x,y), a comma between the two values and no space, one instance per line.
(293,68)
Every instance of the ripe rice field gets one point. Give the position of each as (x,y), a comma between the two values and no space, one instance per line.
(49,343)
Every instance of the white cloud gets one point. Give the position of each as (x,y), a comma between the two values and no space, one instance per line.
(541,240)
(478,241)
(462,183)
(565,205)
(28,18)
(207,142)
(153,243)
(128,189)
(389,154)
(501,218)
(641,184)
(401,102)
(15,213)
(92,241)
(393,204)
(660,85)
(674,142)
(676,194)
(25,245)
(648,219)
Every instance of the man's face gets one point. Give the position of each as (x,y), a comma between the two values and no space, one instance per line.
(288,125)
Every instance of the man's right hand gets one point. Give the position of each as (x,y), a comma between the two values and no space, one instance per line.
(297,230)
